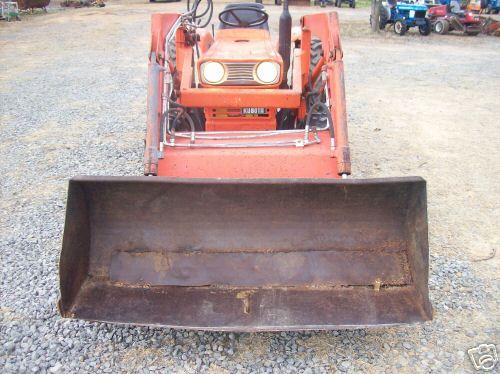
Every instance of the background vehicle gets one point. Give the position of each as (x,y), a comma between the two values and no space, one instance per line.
(9,10)
(403,16)
(475,6)
(482,6)
(493,6)
(351,3)
(245,218)
(33,4)
(450,17)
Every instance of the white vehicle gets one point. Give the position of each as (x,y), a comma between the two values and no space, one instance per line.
(9,10)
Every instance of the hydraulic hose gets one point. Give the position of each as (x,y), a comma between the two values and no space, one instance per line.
(316,106)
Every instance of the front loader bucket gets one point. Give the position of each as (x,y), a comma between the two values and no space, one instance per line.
(246,255)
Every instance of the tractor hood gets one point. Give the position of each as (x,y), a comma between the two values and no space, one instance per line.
(414,7)
(242,45)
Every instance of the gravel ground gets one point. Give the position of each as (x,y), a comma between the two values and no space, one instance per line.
(73,102)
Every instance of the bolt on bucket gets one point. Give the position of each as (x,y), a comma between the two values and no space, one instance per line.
(246,255)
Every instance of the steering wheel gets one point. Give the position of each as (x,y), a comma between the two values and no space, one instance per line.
(261,17)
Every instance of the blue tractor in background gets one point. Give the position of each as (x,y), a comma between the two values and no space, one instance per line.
(493,7)
(403,15)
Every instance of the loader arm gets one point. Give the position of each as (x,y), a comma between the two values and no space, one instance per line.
(326,27)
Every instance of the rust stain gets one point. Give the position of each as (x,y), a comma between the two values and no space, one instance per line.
(161,263)
(244,297)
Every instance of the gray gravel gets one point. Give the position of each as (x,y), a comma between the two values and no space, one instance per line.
(72,102)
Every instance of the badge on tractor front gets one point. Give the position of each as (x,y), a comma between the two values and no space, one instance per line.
(253,111)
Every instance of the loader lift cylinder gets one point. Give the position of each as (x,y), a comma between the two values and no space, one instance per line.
(151,149)
(285,40)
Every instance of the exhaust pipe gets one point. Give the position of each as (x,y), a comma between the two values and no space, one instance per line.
(285,41)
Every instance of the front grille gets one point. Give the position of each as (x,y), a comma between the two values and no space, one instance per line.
(420,14)
(240,73)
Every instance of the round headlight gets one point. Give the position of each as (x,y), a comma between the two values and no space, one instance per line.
(268,72)
(212,72)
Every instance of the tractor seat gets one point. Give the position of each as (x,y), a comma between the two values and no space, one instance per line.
(244,15)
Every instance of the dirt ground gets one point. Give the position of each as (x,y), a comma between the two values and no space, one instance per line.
(425,106)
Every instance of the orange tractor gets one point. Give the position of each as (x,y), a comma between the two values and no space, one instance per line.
(246,218)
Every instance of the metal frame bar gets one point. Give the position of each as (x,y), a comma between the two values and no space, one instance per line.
(303,141)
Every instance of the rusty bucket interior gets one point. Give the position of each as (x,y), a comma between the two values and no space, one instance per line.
(246,255)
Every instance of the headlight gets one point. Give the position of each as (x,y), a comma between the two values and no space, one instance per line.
(212,72)
(268,72)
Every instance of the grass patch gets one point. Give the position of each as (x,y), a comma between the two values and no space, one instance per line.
(363,3)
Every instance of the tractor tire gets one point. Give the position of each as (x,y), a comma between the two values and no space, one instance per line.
(400,28)
(198,117)
(172,51)
(383,19)
(425,30)
(441,26)
(316,53)
(286,118)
